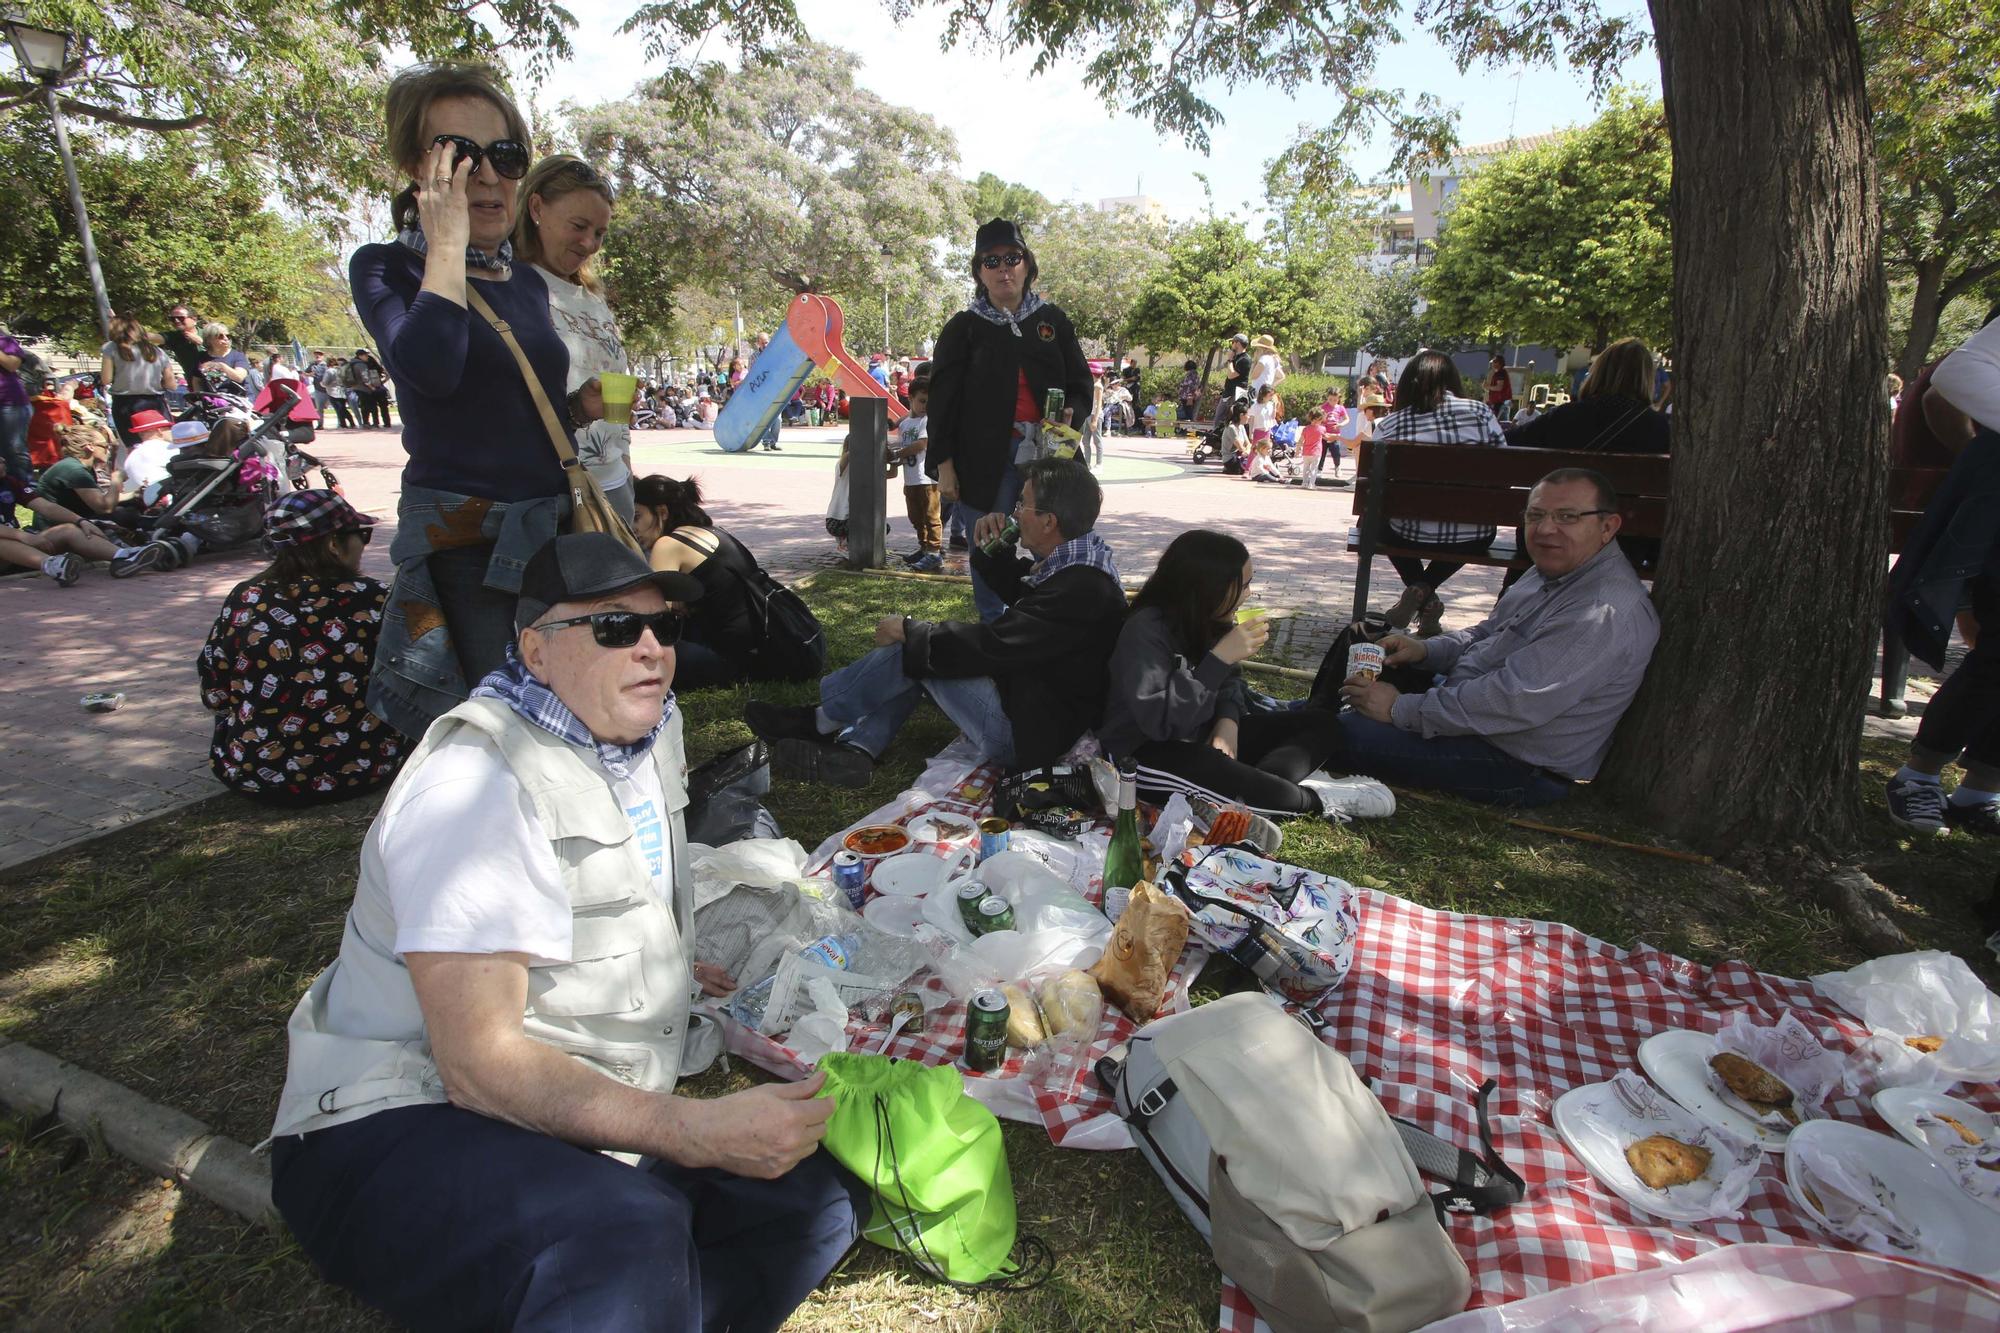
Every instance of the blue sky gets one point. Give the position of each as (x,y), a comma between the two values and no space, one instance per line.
(1052,133)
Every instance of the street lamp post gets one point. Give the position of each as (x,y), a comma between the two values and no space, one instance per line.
(45,55)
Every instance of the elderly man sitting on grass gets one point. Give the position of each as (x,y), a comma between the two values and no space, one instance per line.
(511,1007)
(1516,708)
(1022,687)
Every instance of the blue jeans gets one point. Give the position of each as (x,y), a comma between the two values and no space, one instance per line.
(984,598)
(1461,765)
(444,1218)
(14,459)
(873,698)
(769,438)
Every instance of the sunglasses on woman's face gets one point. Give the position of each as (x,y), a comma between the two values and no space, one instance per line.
(621,629)
(1012,259)
(365,534)
(509,157)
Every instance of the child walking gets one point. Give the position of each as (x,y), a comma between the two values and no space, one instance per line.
(1310,447)
(920,492)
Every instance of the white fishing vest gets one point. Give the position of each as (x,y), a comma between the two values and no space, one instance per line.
(621,1005)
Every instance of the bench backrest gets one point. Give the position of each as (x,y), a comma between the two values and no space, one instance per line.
(1474,484)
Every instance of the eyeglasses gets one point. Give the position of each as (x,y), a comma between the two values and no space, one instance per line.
(508,156)
(1012,259)
(1564,518)
(1023,507)
(621,629)
(365,534)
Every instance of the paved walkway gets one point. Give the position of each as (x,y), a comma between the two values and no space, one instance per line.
(71,775)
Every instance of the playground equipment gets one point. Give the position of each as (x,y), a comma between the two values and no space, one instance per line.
(813,335)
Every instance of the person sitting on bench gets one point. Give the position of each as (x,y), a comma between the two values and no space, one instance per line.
(1022,687)
(1519,706)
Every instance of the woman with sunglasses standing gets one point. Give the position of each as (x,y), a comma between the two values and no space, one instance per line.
(483,488)
(286,666)
(563,215)
(990,377)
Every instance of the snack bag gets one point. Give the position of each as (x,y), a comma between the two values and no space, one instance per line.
(1143,950)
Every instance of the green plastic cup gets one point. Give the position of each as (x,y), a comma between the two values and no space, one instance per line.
(619,390)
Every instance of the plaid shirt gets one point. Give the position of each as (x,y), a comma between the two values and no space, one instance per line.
(1456,421)
(536,702)
(1089,549)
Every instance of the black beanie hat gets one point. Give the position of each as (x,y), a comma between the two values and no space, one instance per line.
(995,234)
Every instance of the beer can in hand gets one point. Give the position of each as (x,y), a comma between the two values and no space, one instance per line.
(1365,660)
(985,1031)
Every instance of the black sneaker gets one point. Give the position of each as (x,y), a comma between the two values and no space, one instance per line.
(957,542)
(776,722)
(1983,819)
(137,560)
(1917,806)
(912,557)
(836,762)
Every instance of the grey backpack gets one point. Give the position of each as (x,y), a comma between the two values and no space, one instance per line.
(1307,1192)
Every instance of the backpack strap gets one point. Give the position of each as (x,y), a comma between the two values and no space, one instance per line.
(1480,1182)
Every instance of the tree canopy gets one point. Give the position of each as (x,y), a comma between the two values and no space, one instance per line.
(1564,243)
(1094,265)
(993,197)
(799,177)
(168,228)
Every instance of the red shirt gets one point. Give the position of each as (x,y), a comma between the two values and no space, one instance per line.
(1025,406)
(51,415)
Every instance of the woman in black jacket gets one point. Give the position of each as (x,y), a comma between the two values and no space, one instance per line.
(1176,705)
(995,364)
(1612,413)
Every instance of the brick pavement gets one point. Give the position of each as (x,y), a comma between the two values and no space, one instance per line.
(72,775)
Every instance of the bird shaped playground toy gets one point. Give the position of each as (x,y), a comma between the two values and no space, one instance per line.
(812,336)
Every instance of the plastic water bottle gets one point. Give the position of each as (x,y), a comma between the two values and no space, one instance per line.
(834,951)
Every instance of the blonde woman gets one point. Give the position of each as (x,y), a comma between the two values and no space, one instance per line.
(562,214)
(135,372)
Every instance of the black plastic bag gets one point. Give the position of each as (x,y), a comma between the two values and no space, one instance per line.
(724,798)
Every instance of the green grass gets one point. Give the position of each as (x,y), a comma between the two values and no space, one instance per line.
(169,955)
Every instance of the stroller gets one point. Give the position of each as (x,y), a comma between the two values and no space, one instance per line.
(210,499)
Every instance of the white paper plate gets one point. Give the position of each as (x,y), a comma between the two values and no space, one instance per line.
(1677,1060)
(1961,1234)
(894,916)
(1600,1136)
(913,874)
(1901,1106)
(937,827)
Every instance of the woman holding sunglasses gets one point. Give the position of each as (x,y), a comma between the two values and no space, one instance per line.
(995,364)
(483,488)
(286,666)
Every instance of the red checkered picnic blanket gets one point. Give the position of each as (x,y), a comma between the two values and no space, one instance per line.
(1438,1002)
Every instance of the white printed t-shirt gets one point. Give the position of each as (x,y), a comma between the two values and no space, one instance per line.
(908,431)
(468,867)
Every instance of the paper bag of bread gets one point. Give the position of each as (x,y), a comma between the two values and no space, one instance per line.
(1144,947)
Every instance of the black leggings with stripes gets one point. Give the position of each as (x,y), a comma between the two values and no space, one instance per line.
(1273,751)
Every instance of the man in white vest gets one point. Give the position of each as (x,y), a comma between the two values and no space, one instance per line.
(479,1126)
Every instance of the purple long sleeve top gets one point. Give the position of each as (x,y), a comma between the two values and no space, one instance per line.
(469,422)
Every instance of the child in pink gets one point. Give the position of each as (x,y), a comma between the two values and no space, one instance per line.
(1311,447)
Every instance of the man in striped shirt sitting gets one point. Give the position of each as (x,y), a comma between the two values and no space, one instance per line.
(1523,704)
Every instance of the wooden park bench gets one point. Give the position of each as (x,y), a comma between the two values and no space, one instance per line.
(1480,485)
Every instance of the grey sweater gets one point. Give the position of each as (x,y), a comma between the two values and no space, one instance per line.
(1155,695)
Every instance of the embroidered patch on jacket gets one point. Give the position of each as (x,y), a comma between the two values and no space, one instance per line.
(1046,332)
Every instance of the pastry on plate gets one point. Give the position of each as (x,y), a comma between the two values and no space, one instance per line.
(1927,1043)
(1662,1161)
(1757,1086)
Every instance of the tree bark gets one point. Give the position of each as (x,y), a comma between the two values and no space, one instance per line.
(1747,731)
(1926,303)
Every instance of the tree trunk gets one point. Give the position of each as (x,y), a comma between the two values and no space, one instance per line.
(1925,306)
(1747,732)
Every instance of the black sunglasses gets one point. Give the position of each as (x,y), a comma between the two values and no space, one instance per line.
(365,534)
(621,629)
(509,157)
(1013,259)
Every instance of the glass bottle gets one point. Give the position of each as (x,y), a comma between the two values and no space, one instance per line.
(1124,861)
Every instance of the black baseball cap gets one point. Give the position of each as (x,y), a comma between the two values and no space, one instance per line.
(995,234)
(583,566)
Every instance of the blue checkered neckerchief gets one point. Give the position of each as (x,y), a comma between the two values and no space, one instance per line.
(498,262)
(513,686)
(1089,549)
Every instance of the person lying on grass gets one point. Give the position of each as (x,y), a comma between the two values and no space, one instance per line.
(1519,706)
(1022,687)
(510,1012)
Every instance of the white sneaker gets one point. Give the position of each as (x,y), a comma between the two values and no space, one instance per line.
(1343,799)
(65,569)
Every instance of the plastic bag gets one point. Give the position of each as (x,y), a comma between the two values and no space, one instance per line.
(1054,925)
(725,794)
(1928,993)
(761,862)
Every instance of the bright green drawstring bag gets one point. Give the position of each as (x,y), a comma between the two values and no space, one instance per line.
(936,1163)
